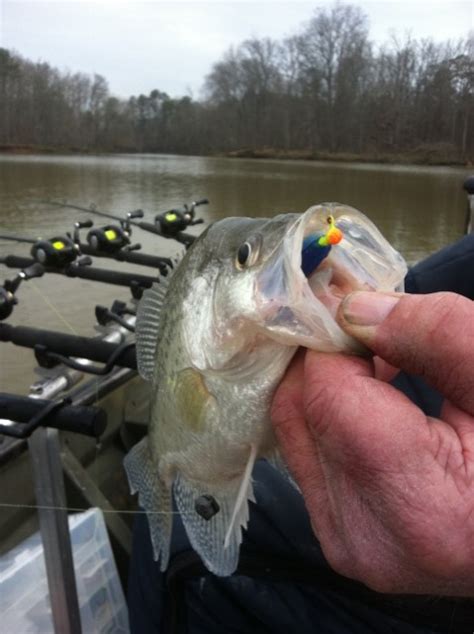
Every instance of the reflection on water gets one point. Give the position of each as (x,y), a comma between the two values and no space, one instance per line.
(418,209)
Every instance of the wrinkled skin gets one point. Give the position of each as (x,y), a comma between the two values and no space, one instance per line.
(390,492)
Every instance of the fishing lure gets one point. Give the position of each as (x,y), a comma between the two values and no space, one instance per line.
(316,247)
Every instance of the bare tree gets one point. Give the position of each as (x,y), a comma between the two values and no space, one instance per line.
(326,88)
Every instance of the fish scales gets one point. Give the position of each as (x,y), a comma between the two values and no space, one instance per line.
(215,340)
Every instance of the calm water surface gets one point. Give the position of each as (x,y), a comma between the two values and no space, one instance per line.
(418,209)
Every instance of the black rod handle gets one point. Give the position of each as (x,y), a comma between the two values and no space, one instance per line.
(16,261)
(185,238)
(106,276)
(81,419)
(143,259)
(91,348)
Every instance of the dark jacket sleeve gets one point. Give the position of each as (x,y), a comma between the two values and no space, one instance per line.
(451,269)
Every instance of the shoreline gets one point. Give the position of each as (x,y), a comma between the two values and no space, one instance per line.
(416,157)
(429,156)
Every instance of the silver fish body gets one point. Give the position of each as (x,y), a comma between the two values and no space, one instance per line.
(215,342)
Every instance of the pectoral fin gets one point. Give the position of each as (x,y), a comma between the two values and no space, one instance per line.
(240,514)
(193,399)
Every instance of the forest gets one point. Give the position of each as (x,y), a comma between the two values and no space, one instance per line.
(328,91)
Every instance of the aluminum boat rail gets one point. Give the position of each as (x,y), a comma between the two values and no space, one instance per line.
(49,461)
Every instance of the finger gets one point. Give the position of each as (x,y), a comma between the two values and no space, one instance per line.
(356,419)
(428,335)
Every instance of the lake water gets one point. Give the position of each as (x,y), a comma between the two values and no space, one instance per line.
(419,209)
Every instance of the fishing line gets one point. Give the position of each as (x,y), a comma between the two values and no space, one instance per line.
(53,308)
(82,510)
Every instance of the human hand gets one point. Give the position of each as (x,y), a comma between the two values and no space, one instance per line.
(390,492)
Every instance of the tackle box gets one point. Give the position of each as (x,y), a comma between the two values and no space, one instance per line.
(24,596)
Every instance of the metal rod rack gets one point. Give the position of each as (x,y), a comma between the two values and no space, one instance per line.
(48,467)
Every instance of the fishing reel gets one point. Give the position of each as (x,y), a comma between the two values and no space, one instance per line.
(110,238)
(172,222)
(57,252)
(175,220)
(8,290)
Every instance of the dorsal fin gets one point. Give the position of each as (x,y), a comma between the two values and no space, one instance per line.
(147,328)
(148,322)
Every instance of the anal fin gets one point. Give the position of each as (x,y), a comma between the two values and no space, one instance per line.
(217,540)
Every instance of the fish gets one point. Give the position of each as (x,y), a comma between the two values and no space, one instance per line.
(214,340)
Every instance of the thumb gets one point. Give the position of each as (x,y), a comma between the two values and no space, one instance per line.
(428,335)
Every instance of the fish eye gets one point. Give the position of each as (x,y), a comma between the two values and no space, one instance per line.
(248,252)
(244,253)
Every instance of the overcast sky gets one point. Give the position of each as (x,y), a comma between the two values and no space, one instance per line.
(139,46)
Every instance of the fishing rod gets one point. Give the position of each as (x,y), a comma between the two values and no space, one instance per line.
(112,348)
(92,209)
(103,314)
(60,255)
(52,347)
(81,269)
(25,414)
(104,242)
(112,241)
(169,224)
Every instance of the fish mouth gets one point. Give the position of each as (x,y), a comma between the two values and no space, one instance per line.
(298,308)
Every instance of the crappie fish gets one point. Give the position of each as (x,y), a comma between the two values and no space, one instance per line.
(215,340)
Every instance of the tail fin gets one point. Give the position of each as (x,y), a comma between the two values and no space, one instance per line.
(153,496)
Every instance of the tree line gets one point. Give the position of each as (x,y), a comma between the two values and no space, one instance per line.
(326,89)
